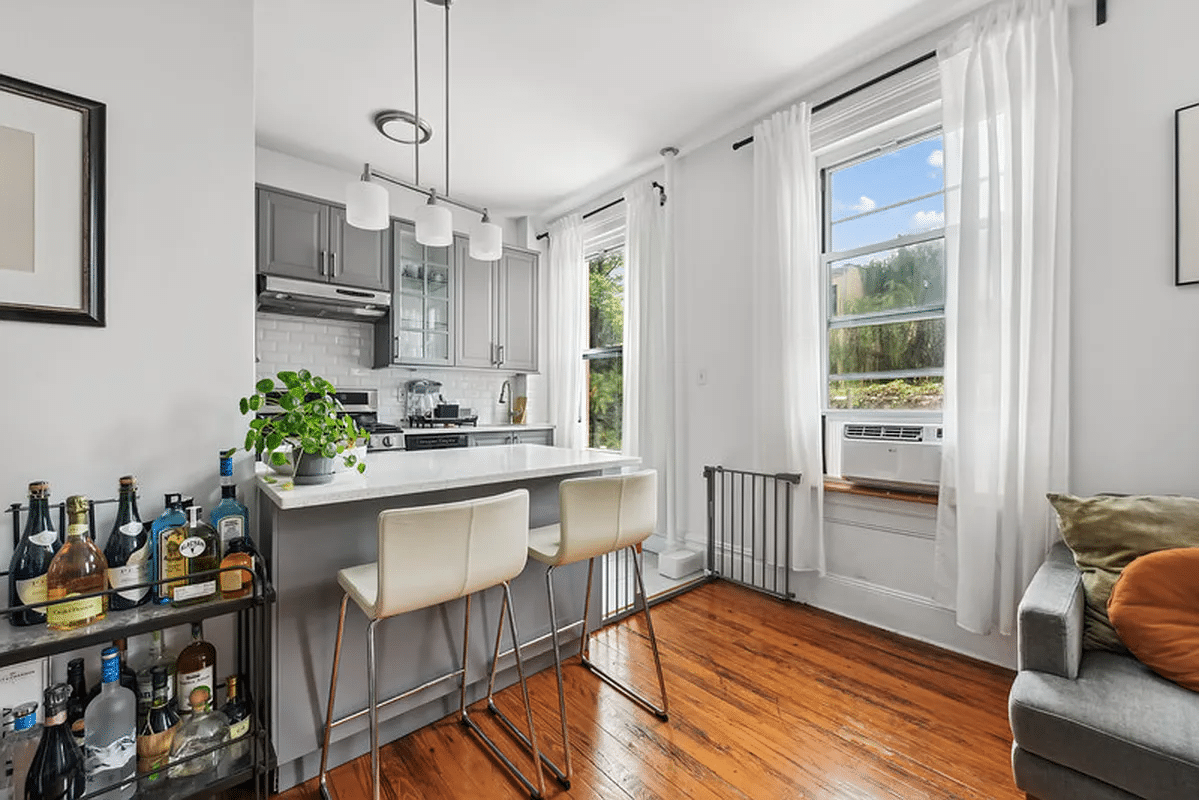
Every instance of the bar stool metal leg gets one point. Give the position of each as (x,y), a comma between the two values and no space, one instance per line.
(627,691)
(372,691)
(341,624)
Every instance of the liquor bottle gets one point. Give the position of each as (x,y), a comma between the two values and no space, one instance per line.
(168,524)
(156,657)
(22,744)
(128,551)
(127,679)
(200,551)
(110,747)
(5,756)
(31,558)
(230,517)
(157,732)
(78,699)
(239,582)
(56,771)
(195,671)
(78,568)
(237,714)
(204,729)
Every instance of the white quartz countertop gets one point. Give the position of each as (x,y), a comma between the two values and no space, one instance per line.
(480,428)
(399,472)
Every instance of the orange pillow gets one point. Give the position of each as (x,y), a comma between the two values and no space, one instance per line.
(1155,609)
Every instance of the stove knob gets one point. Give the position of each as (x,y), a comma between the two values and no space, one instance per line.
(387,441)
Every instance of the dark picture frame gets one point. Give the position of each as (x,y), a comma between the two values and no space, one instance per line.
(86,228)
(1186,195)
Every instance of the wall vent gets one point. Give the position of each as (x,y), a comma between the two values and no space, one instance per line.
(885,433)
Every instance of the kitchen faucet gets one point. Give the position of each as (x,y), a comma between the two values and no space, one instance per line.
(506,395)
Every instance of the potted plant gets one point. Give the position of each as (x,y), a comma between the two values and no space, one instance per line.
(299,423)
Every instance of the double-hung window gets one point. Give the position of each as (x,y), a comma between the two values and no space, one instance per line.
(603,360)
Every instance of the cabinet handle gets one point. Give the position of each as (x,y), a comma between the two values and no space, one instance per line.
(395,348)
(495,361)
(500,357)
(320,267)
(333,265)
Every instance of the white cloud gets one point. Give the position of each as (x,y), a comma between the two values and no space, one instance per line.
(936,159)
(864,204)
(927,220)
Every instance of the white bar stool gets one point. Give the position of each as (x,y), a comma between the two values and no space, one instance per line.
(430,555)
(599,515)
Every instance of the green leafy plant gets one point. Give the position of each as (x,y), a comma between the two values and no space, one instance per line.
(302,416)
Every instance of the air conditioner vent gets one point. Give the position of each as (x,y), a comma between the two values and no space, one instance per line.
(888,433)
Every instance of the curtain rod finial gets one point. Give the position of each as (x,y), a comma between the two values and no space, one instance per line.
(669,151)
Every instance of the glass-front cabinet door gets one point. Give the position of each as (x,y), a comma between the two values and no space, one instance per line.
(422,325)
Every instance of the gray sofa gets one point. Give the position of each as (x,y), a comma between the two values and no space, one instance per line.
(1087,724)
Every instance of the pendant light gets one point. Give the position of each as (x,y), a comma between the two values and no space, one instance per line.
(434,224)
(486,240)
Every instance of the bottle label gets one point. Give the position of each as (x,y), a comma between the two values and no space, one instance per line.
(117,756)
(132,528)
(132,573)
(193,591)
(171,563)
(75,611)
(154,753)
(191,547)
(33,591)
(77,731)
(236,579)
(239,729)
(57,719)
(145,689)
(80,529)
(197,685)
(231,527)
(45,538)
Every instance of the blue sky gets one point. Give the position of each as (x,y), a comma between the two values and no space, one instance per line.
(909,171)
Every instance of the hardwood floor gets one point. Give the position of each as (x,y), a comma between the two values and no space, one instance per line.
(767,700)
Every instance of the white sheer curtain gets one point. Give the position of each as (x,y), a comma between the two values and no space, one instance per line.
(789,321)
(1006,90)
(567,308)
(647,424)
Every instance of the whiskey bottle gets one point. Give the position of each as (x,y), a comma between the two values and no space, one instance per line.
(109,748)
(31,558)
(156,657)
(230,518)
(200,550)
(78,568)
(78,699)
(167,527)
(238,583)
(237,714)
(128,551)
(157,733)
(195,672)
(56,772)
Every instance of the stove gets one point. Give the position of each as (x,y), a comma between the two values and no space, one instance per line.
(363,406)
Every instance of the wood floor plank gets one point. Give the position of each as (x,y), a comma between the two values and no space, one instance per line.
(768,699)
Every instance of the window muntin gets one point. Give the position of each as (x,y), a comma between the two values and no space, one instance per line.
(604,358)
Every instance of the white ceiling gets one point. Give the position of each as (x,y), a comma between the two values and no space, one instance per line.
(550,99)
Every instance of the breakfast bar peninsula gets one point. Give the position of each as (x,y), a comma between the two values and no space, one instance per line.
(308,533)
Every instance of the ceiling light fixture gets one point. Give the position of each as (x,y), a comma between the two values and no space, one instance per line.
(368,203)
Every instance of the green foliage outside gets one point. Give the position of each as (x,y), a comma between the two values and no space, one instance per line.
(605,381)
(910,277)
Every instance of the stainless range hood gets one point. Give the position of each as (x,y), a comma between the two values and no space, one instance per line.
(322,300)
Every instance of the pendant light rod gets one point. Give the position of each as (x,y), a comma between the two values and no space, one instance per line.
(415,88)
(447,96)
(370,172)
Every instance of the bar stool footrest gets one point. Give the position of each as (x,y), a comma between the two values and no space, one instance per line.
(495,751)
(628,692)
(519,735)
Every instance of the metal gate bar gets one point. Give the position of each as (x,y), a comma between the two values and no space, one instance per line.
(749,528)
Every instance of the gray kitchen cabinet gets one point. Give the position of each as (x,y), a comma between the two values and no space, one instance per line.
(497,310)
(301,237)
(421,329)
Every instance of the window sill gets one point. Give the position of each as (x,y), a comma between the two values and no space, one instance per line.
(845,487)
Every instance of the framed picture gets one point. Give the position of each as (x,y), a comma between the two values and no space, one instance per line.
(1186,195)
(51,205)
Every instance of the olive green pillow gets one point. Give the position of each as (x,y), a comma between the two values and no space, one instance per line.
(1106,533)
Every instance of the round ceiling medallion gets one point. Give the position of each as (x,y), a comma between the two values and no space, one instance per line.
(402,126)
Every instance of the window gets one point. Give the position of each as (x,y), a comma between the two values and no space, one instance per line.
(884,261)
(604,359)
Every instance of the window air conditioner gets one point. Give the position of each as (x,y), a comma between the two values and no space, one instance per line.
(892,456)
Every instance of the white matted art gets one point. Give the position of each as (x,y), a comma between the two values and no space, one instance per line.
(51,205)
(1186,195)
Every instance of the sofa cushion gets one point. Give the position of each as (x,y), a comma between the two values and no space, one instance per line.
(1117,721)
(1155,609)
(1106,533)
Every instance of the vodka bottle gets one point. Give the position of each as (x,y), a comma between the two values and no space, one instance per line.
(21,744)
(56,771)
(230,517)
(110,745)
(128,551)
(165,533)
(31,558)
(78,568)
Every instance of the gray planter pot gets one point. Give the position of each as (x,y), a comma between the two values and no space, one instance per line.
(313,469)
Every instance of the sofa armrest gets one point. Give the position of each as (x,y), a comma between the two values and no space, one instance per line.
(1050,618)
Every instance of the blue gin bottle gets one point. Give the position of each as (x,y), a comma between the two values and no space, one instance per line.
(230,517)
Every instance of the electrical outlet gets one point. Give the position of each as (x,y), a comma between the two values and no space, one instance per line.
(701,378)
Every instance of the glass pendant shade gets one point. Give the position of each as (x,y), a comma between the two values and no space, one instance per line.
(486,241)
(368,206)
(434,226)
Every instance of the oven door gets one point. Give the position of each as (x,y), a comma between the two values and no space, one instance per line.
(434,441)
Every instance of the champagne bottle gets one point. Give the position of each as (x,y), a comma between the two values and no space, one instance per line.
(78,568)
(230,518)
(157,732)
(109,748)
(31,558)
(200,550)
(166,533)
(195,671)
(56,772)
(127,551)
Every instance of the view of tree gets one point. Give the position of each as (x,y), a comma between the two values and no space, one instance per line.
(605,378)
(910,277)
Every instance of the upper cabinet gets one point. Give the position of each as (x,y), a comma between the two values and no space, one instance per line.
(421,329)
(497,310)
(299,237)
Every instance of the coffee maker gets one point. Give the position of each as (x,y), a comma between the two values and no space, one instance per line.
(422,398)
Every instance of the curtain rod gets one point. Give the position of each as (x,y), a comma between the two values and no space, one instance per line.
(661,201)
(850,92)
